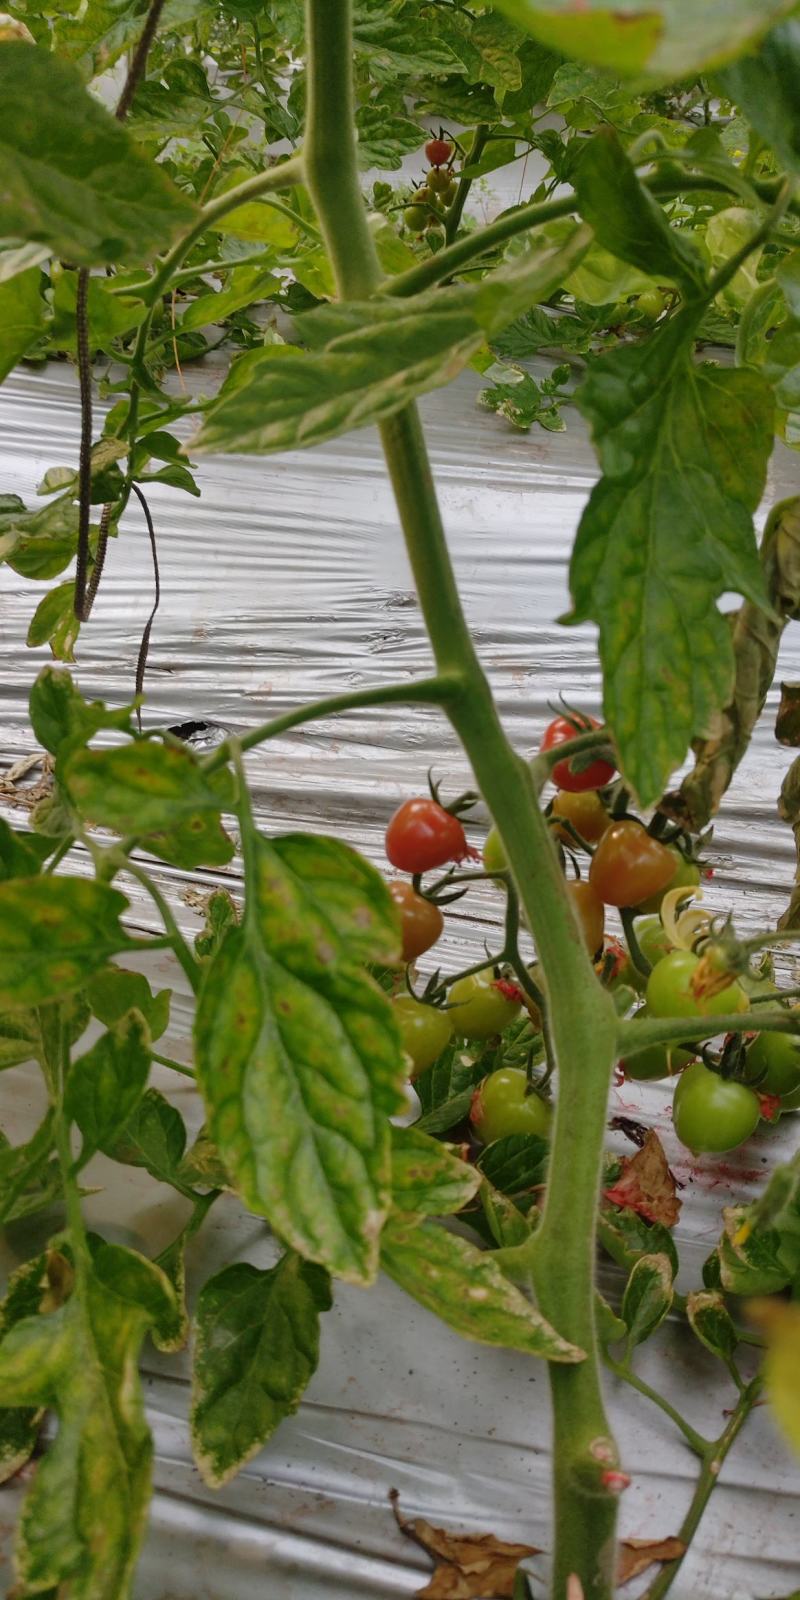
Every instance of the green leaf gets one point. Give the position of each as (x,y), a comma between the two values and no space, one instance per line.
(384,138)
(198,841)
(20,1039)
(109,314)
(54,933)
(764,87)
(244,287)
(21,854)
(59,712)
(38,544)
(256,1346)
(220,915)
(427,1178)
(21,1167)
(54,622)
(499,1221)
(712,1322)
(648,1296)
(84,1515)
(651,40)
(300,1065)
(201,1166)
(610,1328)
(379,355)
(466,1289)
(106,1084)
(445,1090)
(667,531)
(115,991)
(94,35)
(627,1237)
(153,1138)
(21,317)
(19,1425)
(144,786)
(346,890)
(627,220)
(392,49)
(73,178)
(515,1163)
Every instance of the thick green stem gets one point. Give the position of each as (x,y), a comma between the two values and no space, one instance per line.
(582,1013)
(453,218)
(640,1035)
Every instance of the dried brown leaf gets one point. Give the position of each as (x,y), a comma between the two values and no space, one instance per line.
(646,1184)
(469,1566)
(636,1555)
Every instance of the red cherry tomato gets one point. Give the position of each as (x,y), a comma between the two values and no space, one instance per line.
(438,152)
(598,773)
(421,922)
(422,835)
(629,864)
(591,913)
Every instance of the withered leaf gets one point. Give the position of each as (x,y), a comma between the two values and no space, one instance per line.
(646,1184)
(469,1566)
(636,1555)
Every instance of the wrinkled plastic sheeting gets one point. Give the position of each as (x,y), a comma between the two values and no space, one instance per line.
(285,582)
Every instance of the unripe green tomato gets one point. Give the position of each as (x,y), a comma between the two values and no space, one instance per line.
(656,1060)
(449,194)
(424,195)
(686,876)
(713,1114)
(438,179)
(652,939)
(791,1102)
(415,218)
(477,1008)
(501,1105)
(669,993)
(651,303)
(777,1055)
(424,1030)
(494,856)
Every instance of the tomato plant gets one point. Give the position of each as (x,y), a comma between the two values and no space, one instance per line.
(236,227)
(711,1113)
(502,1105)
(629,865)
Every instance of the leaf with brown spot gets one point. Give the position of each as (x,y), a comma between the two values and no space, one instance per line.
(469,1566)
(636,1555)
(645,1184)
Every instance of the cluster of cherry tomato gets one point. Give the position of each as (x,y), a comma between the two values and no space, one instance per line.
(438,190)
(720,1097)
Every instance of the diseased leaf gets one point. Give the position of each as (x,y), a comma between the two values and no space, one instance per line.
(54,933)
(73,178)
(21,317)
(84,1515)
(21,1167)
(648,1296)
(469,1566)
(645,1184)
(466,1289)
(20,1038)
(153,1138)
(712,1322)
(627,220)
(59,712)
(346,890)
(19,1425)
(220,915)
(299,1062)
(427,1178)
(626,1236)
(199,840)
(144,786)
(256,1346)
(21,854)
(667,530)
(378,355)
(649,40)
(636,1555)
(106,1084)
(114,991)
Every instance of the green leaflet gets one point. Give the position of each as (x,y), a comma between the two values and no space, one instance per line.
(22,1167)
(59,712)
(764,86)
(154,1137)
(345,889)
(97,33)
(379,354)
(21,317)
(667,530)
(256,1345)
(109,314)
(19,1425)
(712,1322)
(106,1084)
(299,1062)
(73,178)
(54,933)
(21,854)
(38,544)
(466,1289)
(244,287)
(54,622)
(84,1515)
(144,786)
(428,1179)
(114,991)
(627,220)
(648,1296)
(384,139)
(649,40)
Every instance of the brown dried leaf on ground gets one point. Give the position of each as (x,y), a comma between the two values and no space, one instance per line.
(646,1184)
(636,1555)
(469,1566)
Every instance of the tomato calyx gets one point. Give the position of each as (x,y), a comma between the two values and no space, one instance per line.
(439,150)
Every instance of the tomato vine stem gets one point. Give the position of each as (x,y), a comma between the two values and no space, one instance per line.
(582,1013)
